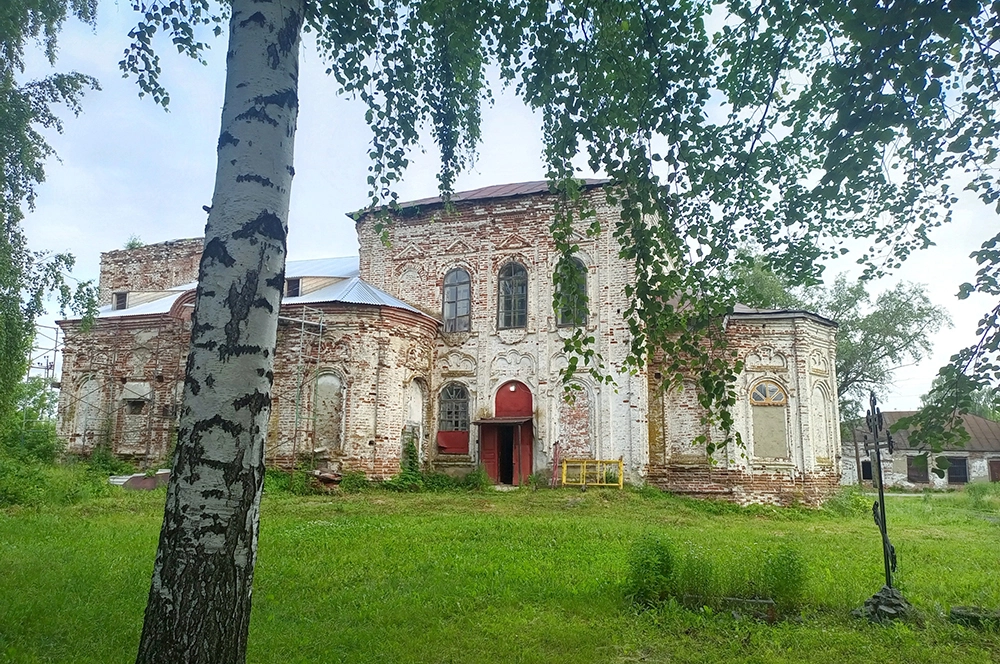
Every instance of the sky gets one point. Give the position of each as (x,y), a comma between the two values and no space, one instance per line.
(128,168)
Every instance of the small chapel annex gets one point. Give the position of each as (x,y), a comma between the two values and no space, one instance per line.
(446,336)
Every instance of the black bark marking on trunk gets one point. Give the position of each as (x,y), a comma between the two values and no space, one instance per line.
(277,282)
(263,304)
(273,60)
(213,493)
(227,139)
(291,170)
(287,98)
(253,177)
(288,35)
(197,329)
(192,385)
(256,402)
(258,115)
(207,345)
(216,250)
(239,302)
(256,17)
(210,380)
(266,225)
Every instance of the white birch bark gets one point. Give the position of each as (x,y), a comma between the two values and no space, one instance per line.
(199,599)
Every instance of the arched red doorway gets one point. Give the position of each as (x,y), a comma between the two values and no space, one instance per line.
(505,441)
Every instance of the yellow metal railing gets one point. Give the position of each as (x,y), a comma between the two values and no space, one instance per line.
(593,472)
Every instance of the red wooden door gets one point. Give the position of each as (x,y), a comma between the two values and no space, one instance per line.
(522,453)
(514,400)
(488,452)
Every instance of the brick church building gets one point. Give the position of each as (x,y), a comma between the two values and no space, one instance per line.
(446,337)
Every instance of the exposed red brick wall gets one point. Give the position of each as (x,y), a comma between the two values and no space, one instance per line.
(152,267)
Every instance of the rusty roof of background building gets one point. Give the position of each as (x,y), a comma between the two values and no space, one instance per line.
(984,434)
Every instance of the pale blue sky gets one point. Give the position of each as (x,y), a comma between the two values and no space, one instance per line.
(130,168)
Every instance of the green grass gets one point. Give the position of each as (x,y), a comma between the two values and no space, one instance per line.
(505,577)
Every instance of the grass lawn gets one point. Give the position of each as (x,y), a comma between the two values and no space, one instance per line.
(505,577)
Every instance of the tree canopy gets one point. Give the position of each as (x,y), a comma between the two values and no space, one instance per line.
(794,125)
(27,108)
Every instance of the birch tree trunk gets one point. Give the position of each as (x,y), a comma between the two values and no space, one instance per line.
(199,599)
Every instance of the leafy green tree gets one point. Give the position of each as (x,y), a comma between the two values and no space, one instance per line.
(27,108)
(29,432)
(792,126)
(984,401)
(875,337)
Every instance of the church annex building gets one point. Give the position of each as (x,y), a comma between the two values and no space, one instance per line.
(447,337)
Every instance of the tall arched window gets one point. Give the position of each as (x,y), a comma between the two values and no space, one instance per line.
(769,401)
(329,412)
(513,297)
(456,299)
(571,294)
(453,420)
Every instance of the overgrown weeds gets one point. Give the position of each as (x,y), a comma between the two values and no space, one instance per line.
(694,576)
(983,495)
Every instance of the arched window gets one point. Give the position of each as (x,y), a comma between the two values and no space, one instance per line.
(513,297)
(456,301)
(770,438)
(453,420)
(329,412)
(571,294)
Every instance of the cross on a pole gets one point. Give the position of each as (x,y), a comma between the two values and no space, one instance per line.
(876,425)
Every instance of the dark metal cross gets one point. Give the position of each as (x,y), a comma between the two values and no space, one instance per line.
(876,425)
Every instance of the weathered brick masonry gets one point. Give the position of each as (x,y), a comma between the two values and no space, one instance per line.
(363,361)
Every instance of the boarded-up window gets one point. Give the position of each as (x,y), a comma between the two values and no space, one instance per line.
(916,470)
(413,428)
(770,438)
(958,470)
(89,411)
(329,411)
(821,417)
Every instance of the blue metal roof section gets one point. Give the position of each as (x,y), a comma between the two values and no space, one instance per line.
(353,291)
(349,289)
(344,267)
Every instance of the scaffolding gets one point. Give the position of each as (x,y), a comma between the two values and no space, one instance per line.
(311,326)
